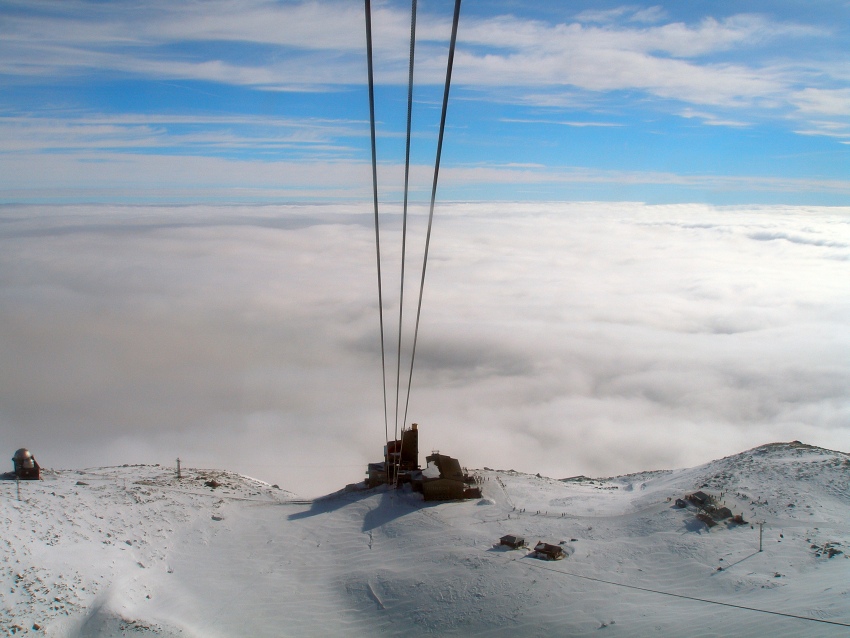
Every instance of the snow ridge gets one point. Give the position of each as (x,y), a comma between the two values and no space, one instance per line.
(132,550)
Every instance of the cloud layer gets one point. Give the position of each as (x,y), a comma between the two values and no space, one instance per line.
(560,338)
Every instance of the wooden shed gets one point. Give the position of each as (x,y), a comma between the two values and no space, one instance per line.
(548,552)
(512,541)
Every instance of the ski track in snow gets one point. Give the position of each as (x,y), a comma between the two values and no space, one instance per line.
(133,551)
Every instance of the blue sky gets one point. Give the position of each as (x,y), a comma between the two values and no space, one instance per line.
(257,101)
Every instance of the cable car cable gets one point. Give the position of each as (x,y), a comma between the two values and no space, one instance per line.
(433,195)
(375,198)
(404,209)
(404,222)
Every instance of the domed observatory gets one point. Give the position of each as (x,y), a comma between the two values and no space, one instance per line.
(26,467)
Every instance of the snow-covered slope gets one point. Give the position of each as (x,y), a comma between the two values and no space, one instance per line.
(133,551)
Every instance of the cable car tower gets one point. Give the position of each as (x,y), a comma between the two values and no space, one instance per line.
(396,459)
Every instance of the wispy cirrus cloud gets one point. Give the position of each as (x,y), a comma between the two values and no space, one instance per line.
(711,119)
(189,79)
(219,134)
(574,124)
(105,174)
(661,58)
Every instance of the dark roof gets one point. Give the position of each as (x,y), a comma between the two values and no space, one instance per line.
(448,466)
(721,513)
(546,548)
(699,497)
(511,539)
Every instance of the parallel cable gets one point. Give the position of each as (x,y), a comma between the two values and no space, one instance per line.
(433,195)
(375,198)
(404,215)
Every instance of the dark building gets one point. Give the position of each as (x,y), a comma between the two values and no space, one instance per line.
(449,467)
(443,480)
(451,484)
(548,552)
(440,489)
(376,474)
(401,460)
(721,514)
(514,542)
(26,467)
(700,499)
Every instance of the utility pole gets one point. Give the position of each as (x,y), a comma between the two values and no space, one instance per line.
(761,530)
(18,484)
(179,476)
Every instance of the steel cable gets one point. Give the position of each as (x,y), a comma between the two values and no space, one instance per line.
(375,198)
(404,219)
(404,209)
(449,65)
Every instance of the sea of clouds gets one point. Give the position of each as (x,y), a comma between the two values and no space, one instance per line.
(563,338)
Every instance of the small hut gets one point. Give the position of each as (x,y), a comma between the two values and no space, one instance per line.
(512,541)
(549,552)
(26,467)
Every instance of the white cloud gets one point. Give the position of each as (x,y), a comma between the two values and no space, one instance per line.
(711,119)
(81,132)
(101,175)
(321,44)
(824,102)
(574,124)
(628,13)
(599,59)
(560,338)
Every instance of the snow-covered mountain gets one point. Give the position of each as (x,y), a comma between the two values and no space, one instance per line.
(132,550)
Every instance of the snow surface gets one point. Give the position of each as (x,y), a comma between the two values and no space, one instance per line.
(133,551)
